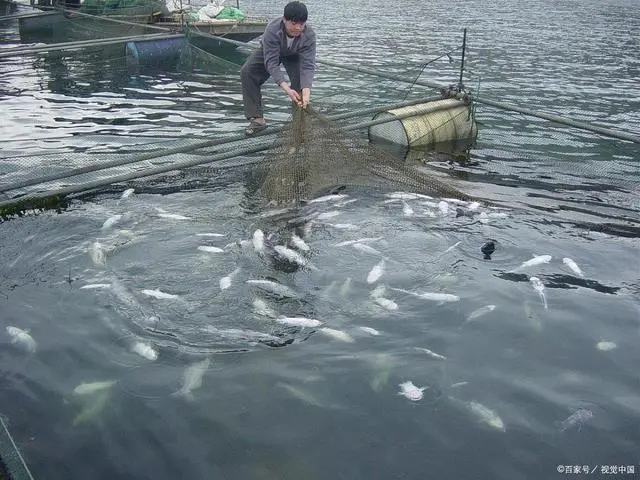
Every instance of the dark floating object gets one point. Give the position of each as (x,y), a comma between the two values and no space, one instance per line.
(488,248)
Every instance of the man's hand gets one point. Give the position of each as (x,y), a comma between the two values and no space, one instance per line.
(306,96)
(293,95)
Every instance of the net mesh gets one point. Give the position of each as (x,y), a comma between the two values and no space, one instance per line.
(313,157)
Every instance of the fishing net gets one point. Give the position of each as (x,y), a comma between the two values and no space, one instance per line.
(313,157)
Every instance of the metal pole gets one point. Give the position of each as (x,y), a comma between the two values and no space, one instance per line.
(464,46)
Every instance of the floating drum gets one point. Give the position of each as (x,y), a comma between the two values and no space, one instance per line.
(426,124)
(163,53)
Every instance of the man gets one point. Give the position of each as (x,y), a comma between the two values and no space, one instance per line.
(287,40)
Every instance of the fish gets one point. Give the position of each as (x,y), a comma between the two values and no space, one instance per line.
(258,241)
(239,334)
(488,248)
(576,420)
(537,260)
(378,291)
(328,198)
(92,286)
(192,378)
(159,294)
(479,312)
(370,331)
(458,384)
(538,286)
(299,321)
(225,282)
(431,353)
(337,334)
(407,211)
(452,247)
(210,249)
(366,248)
(606,346)
(299,243)
(127,193)
(436,297)
(410,391)
(486,415)
(407,196)
(22,337)
(327,215)
(92,408)
(342,226)
(293,256)
(386,303)
(144,350)
(111,221)
(173,216)
(443,207)
(573,266)
(260,307)
(274,287)
(210,234)
(376,272)
(346,287)
(302,395)
(87,388)
(96,252)
(357,240)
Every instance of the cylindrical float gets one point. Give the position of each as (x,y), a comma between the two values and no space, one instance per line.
(426,124)
(163,53)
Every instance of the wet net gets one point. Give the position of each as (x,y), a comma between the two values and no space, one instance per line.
(314,157)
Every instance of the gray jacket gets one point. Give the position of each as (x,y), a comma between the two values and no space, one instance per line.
(274,47)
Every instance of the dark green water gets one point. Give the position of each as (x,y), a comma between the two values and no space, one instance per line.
(316,407)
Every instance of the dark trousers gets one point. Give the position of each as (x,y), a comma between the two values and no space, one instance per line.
(253,75)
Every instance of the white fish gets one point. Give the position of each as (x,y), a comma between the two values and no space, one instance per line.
(480,312)
(173,216)
(144,350)
(87,388)
(225,282)
(210,234)
(370,331)
(239,334)
(111,221)
(159,295)
(376,272)
(342,226)
(337,334)
(328,198)
(97,253)
(458,384)
(486,415)
(378,291)
(576,419)
(346,202)
(573,266)
(537,260)
(299,321)
(431,353)
(127,193)
(538,286)
(258,241)
(433,296)
(22,337)
(346,287)
(299,243)
(407,211)
(92,286)
(92,408)
(386,303)
(260,307)
(274,287)
(452,247)
(363,247)
(210,249)
(410,391)
(443,207)
(192,378)
(406,196)
(292,256)
(357,240)
(327,215)
(606,346)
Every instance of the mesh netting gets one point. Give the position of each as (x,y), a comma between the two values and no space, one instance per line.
(313,157)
